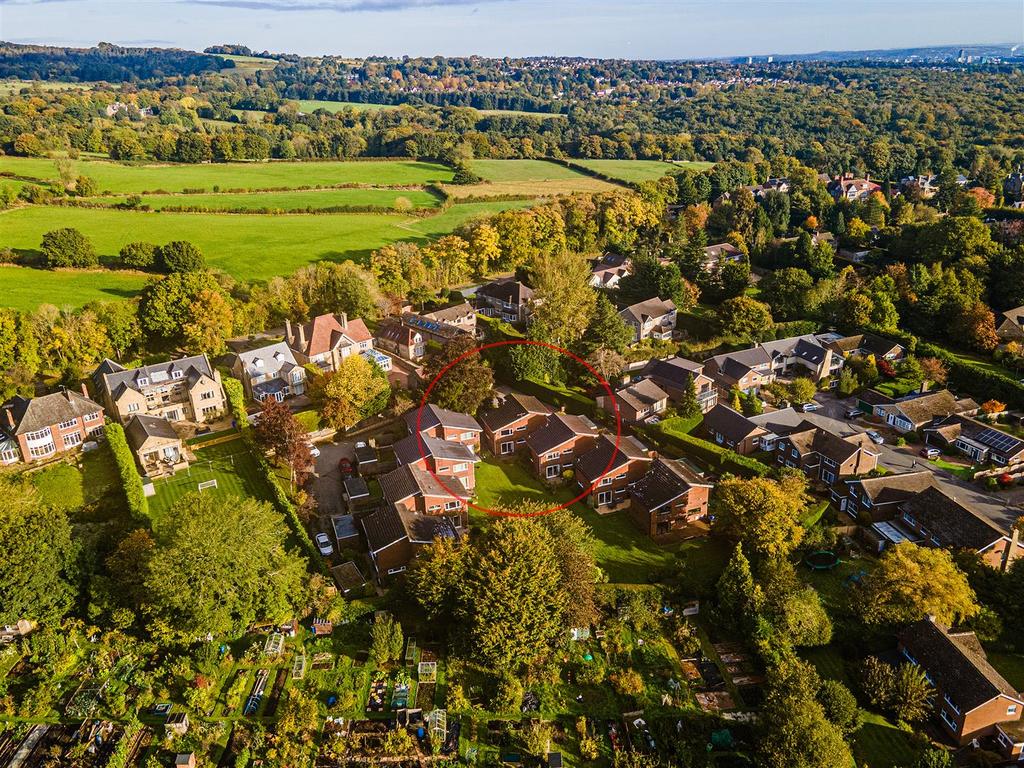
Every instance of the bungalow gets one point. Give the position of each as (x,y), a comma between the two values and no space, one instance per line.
(746,370)
(846,187)
(873,403)
(461,316)
(394,536)
(605,473)
(670,502)
(554,447)
(822,455)
(721,253)
(674,376)
(41,427)
(880,497)
(443,457)
(919,411)
(972,700)
(637,402)
(1011,325)
(651,319)
(865,344)
(932,518)
(510,423)
(445,425)
(158,449)
(506,298)
(731,429)
(980,442)
(327,340)
(269,371)
(186,389)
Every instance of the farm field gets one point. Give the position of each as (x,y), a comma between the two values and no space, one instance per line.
(539,188)
(638,170)
(117,178)
(286,201)
(522,170)
(235,243)
(247,63)
(8,87)
(312,105)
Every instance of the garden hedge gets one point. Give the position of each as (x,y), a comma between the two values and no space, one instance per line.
(138,504)
(977,380)
(722,459)
(236,401)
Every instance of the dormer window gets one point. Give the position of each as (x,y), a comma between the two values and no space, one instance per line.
(143,381)
(258,362)
(278,356)
(178,375)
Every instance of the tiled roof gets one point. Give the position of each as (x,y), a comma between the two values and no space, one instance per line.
(141,428)
(406,481)
(890,489)
(451,314)
(593,463)
(676,371)
(383,527)
(408,449)
(512,408)
(921,410)
(272,360)
(188,367)
(642,394)
(31,414)
(559,429)
(950,521)
(958,664)
(652,308)
(325,332)
(434,416)
(732,425)
(666,481)
(506,289)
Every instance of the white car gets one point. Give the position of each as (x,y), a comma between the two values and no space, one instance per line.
(313,450)
(323,543)
(874,437)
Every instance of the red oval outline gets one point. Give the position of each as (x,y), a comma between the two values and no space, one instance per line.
(510,343)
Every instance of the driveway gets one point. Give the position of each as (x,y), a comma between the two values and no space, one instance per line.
(1000,509)
(327,479)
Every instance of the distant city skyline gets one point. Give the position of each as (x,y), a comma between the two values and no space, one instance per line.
(641,29)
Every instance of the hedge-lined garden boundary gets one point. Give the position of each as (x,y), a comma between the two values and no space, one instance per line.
(138,504)
(978,380)
(236,401)
(721,459)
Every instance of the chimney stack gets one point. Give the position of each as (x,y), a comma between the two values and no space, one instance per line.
(85,392)
(344,320)
(302,335)
(9,414)
(288,332)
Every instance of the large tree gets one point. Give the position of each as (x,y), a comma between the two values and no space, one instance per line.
(218,566)
(279,431)
(465,385)
(67,247)
(745,317)
(761,513)
(358,389)
(37,553)
(565,300)
(912,582)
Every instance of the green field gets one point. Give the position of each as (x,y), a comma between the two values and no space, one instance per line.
(117,178)
(8,87)
(311,105)
(638,170)
(238,244)
(522,170)
(230,464)
(285,201)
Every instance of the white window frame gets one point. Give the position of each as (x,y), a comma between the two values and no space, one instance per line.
(70,424)
(177,374)
(549,474)
(450,505)
(461,467)
(604,497)
(506,448)
(39,451)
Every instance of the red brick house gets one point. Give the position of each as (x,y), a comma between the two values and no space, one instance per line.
(972,700)
(38,428)
(824,456)
(507,426)
(674,374)
(443,457)
(554,447)
(637,402)
(446,425)
(670,502)
(416,490)
(731,429)
(608,488)
(327,340)
(395,535)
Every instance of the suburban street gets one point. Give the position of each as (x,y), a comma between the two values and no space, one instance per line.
(1002,509)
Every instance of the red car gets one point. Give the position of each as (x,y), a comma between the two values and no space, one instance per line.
(345,466)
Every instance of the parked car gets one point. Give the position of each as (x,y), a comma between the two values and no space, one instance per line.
(345,466)
(811,406)
(313,450)
(930,452)
(323,543)
(874,437)
(853,413)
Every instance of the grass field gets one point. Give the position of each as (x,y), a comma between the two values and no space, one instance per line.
(118,178)
(521,170)
(8,87)
(638,170)
(64,485)
(625,554)
(247,64)
(311,105)
(286,201)
(25,288)
(539,188)
(230,464)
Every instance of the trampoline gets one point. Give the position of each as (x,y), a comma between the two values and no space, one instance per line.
(822,560)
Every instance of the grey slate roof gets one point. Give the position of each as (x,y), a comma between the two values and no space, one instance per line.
(407,450)
(141,428)
(951,522)
(277,359)
(651,308)
(406,481)
(642,394)
(732,425)
(117,378)
(559,429)
(506,289)
(434,416)
(666,481)
(32,414)
(958,664)
(512,408)
(383,527)
(675,371)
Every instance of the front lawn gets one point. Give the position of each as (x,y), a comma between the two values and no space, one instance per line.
(963,471)
(231,464)
(1010,666)
(625,554)
(880,744)
(64,485)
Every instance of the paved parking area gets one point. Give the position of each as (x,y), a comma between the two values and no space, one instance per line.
(327,479)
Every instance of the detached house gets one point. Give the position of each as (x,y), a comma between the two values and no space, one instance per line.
(802,356)
(506,298)
(917,412)
(651,319)
(721,253)
(880,497)
(637,402)
(824,456)
(270,371)
(746,370)
(670,502)
(508,425)
(444,457)
(554,446)
(609,270)
(445,425)
(186,389)
(461,316)
(1011,325)
(413,489)
(606,472)
(408,335)
(158,449)
(38,428)
(979,442)
(847,187)
(395,535)
(972,700)
(674,375)
(731,429)
(933,518)
(865,344)
(327,340)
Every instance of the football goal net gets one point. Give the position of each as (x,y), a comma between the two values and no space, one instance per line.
(207,484)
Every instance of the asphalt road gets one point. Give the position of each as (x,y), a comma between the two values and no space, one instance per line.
(906,459)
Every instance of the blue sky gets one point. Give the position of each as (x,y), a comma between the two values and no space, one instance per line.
(606,28)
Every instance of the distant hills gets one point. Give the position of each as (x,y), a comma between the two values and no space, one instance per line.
(938,53)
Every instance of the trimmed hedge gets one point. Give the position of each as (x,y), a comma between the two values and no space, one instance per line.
(283,503)
(715,456)
(236,401)
(980,382)
(131,481)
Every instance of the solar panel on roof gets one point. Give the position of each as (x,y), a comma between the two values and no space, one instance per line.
(1000,441)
